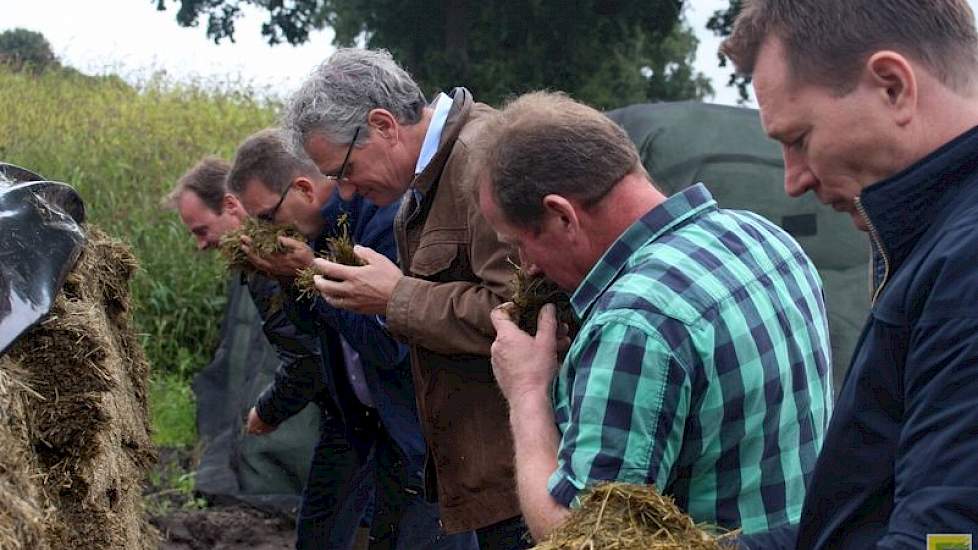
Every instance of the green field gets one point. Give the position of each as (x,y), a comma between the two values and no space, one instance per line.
(122,148)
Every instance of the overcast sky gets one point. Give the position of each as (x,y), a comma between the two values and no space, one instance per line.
(131,38)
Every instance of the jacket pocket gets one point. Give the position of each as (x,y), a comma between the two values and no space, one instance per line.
(432,259)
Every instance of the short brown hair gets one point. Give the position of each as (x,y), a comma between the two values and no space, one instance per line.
(206,179)
(827,41)
(546,143)
(265,156)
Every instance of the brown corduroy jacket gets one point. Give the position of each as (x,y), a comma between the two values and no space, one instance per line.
(456,272)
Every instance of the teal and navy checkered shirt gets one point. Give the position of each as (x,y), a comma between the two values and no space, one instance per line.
(702,367)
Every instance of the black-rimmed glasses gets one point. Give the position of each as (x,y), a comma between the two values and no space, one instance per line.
(269,216)
(342,173)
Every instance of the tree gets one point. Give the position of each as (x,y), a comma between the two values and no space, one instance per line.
(721,23)
(21,48)
(606,52)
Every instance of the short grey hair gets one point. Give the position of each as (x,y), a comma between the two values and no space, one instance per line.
(336,98)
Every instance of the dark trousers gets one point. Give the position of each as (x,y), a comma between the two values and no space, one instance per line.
(403,519)
(344,483)
(337,493)
(509,534)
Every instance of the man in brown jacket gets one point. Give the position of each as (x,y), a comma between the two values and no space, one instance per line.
(364,122)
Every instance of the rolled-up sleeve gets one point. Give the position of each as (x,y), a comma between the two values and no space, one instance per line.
(625,409)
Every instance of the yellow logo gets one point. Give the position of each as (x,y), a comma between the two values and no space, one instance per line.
(948,542)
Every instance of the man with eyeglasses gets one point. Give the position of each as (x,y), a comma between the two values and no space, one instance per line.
(366,371)
(362,115)
(209,212)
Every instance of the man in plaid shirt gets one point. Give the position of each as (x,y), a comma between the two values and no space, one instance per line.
(702,365)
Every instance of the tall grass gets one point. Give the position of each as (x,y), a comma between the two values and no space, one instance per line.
(122,148)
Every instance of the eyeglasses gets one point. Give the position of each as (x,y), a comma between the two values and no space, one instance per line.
(342,173)
(269,216)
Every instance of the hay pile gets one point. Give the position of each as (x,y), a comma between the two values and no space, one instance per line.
(264,241)
(74,423)
(530,294)
(339,249)
(623,516)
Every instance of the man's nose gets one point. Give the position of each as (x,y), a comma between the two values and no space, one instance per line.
(798,178)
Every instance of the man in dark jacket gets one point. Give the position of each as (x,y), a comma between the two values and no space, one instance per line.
(367,372)
(876,105)
(209,212)
(365,123)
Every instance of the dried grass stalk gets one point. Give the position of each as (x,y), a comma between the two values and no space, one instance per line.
(625,516)
(264,242)
(304,282)
(339,249)
(529,296)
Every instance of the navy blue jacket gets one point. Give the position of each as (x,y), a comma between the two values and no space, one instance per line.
(298,380)
(900,458)
(385,361)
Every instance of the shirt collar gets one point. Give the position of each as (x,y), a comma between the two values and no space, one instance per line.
(441,106)
(686,205)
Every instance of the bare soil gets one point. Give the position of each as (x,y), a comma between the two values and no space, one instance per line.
(224,528)
(217,527)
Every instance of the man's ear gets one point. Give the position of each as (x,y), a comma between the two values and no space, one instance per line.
(383,124)
(892,76)
(305,188)
(231,205)
(559,214)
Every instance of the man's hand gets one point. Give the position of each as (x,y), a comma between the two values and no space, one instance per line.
(361,289)
(257,426)
(524,364)
(284,265)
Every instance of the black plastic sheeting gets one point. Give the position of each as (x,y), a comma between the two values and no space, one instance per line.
(267,472)
(40,241)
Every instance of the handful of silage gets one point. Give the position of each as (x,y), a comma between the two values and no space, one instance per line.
(630,517)
(529,296)
(339,249)
(264,241)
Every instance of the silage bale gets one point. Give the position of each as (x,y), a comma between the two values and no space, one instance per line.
(23,515)
(88,423)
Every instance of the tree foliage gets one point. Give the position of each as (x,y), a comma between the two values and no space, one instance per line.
(721,23)
(24,49)
(606,52)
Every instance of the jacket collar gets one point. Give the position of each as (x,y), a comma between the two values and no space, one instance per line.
(462,103)
(903,207)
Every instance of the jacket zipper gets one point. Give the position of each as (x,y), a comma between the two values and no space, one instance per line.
(875,236)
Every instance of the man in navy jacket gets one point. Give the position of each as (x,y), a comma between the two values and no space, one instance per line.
(367,372)
(876,105)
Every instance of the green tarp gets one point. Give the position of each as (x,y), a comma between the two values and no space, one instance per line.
(266,471)
(726,149)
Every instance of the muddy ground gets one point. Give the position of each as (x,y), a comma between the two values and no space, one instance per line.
(224,528)
(186,522)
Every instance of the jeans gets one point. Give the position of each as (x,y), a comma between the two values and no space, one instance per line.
(337,493)
(403,517)
(344,487)
(509,534)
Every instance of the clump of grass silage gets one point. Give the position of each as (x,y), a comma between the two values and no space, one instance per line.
(339,249)
(264,242)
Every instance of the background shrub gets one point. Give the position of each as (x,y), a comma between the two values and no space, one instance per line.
(122,147)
